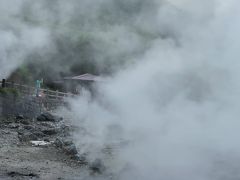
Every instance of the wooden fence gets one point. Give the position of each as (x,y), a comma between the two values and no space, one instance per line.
(48,98)
(29,90)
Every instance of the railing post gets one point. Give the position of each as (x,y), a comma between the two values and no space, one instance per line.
(29,90)
(3,83)
(57,95)
(21,88)
(47,99)
(47,93)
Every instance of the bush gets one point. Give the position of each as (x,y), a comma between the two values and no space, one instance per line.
(9,92)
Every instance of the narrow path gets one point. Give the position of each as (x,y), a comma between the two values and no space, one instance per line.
(24,161)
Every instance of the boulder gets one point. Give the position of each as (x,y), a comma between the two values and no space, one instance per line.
(19,117)
(29,127)
(20,175)
(23,121)
(81,159)
(27,137)
(13,126)
(47,124)
(39,134)
(97,166)
(46,139)
(50,131)
(70,150)
(58,143)
(46,117)
(65,130)
(68,142)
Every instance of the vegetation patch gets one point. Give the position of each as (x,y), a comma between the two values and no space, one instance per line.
(5,92)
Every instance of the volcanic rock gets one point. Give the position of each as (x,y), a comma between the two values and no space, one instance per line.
(28,127)
(19,117)
(50,131)
(27,137)
(13,126)
(46,117)
(58,143)
(97,166)
(39,134)
(71,149)
(23,121)
(80,158)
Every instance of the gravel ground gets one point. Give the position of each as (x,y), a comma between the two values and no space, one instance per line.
(21,160)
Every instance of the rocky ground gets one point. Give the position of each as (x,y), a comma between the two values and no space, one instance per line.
(41,149)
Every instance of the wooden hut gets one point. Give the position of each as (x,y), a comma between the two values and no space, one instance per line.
(74,84)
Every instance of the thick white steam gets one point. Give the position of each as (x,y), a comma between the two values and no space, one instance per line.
(18,39)
(177,108)
(172,111)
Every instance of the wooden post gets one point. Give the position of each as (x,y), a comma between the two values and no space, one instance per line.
(12,84)
(57,95)
(3,83)
(47,93)
(29,90)
(21,88)
(47,100)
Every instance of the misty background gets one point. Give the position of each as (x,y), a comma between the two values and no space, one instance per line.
(170,103)
(74,37)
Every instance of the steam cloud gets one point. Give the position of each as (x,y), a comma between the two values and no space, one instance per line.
(177,106)
(18,39)
(173,99)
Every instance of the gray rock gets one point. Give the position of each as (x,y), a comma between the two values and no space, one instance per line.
(58,118)
(80,158)
(8,120)
(65,129)
(70,150)
(50,131)
(46,117)
(97,166)
(68,142)
(19,117)
(27,137)
(58,143)
(24,121)
(46,139)
(29,127)
(19,175)
(39,134)
(41,118)
(13,126)
(47,124)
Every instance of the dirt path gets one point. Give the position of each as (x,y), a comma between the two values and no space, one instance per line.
(58,158)
(24,161)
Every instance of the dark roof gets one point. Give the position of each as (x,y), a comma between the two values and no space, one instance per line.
(85,77)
